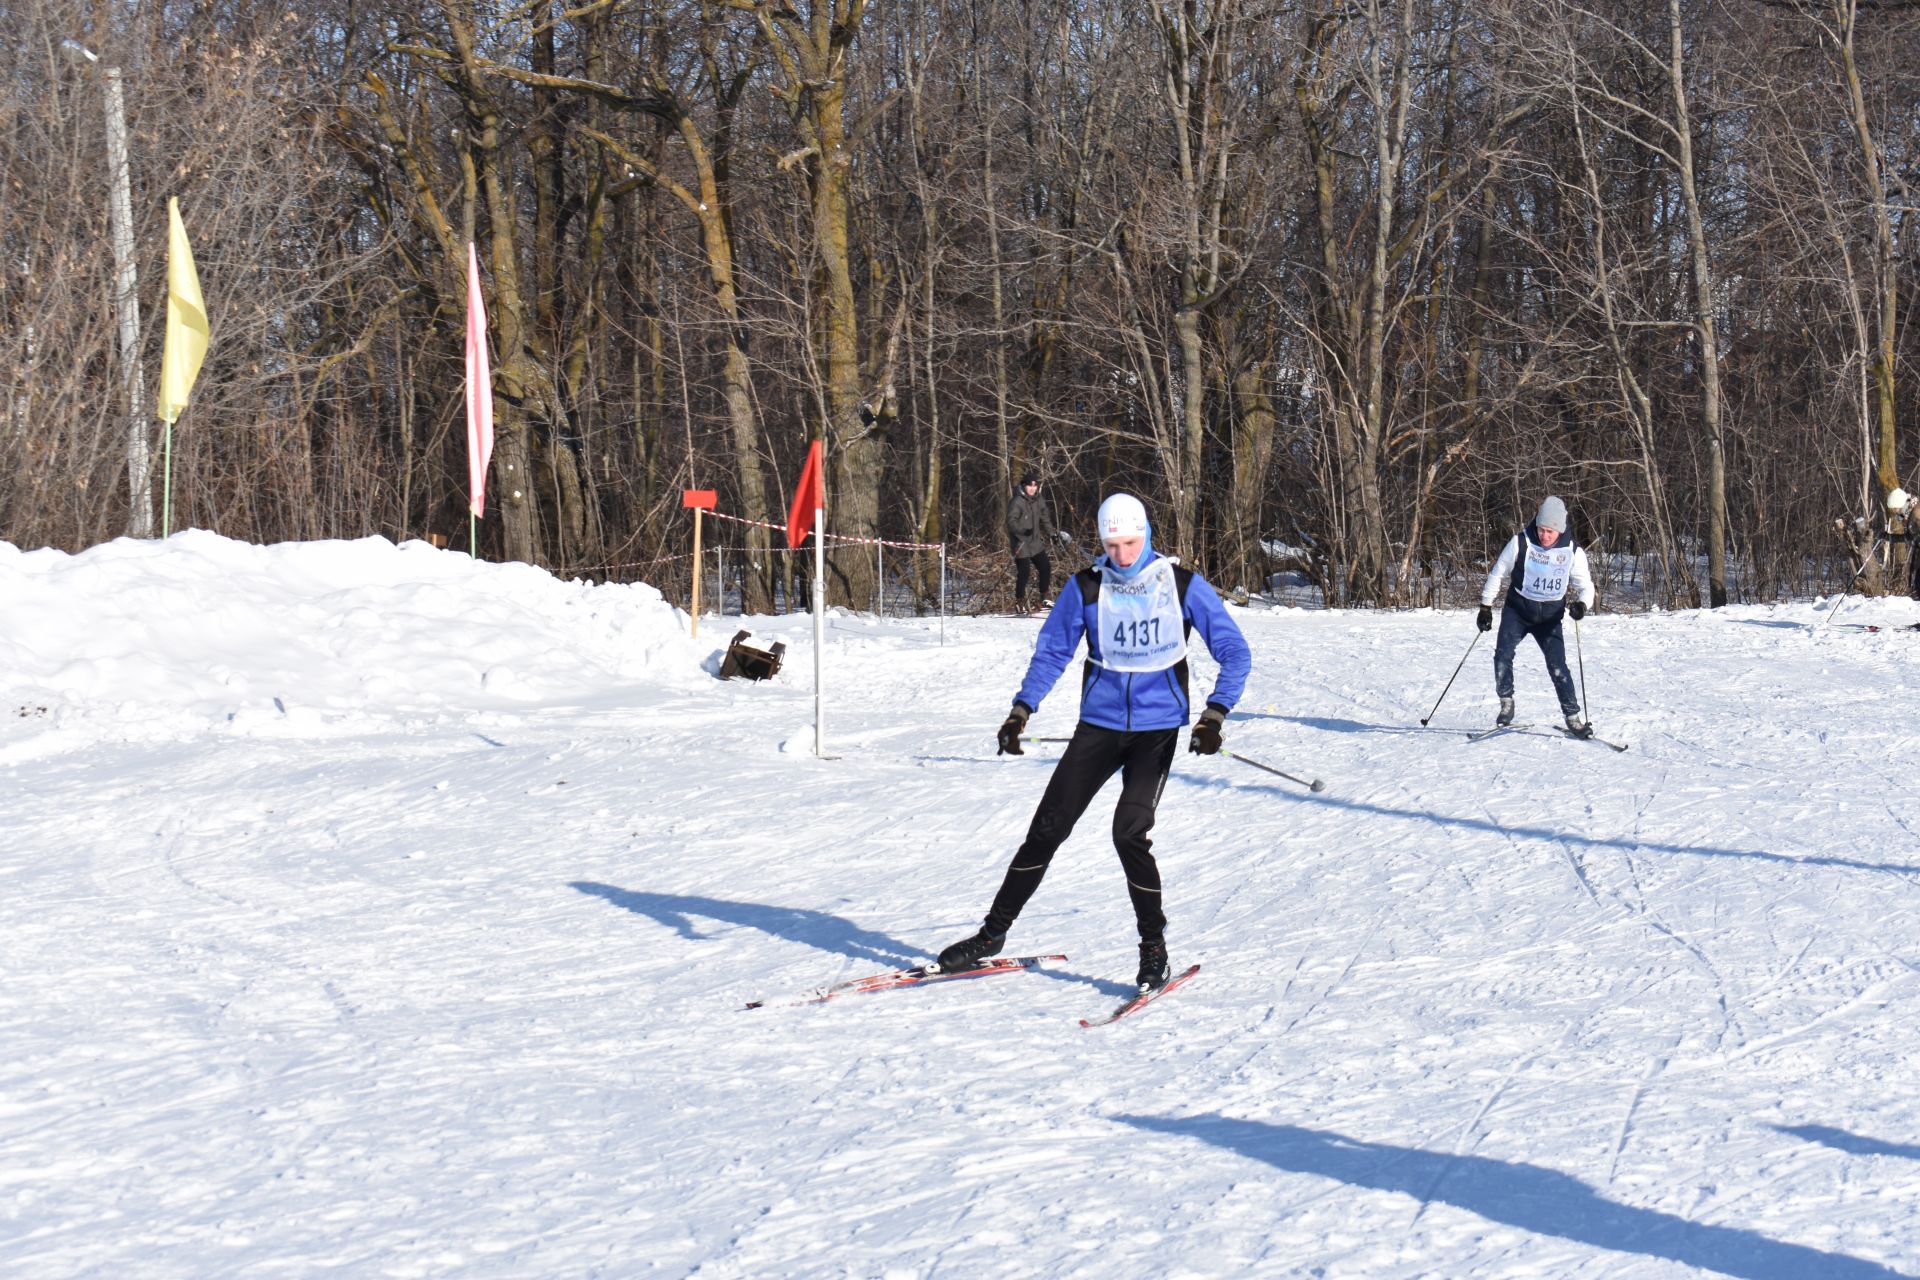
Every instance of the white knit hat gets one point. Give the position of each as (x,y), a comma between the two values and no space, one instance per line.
(1123,516)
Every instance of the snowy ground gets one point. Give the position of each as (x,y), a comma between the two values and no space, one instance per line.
(372,911)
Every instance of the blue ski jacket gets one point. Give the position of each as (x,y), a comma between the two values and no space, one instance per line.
(1134,700)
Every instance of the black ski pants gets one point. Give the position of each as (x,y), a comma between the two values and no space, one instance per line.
(1022,566)
(1094,755)
(1524,617)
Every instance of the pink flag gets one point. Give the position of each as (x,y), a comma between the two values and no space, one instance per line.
(479,389)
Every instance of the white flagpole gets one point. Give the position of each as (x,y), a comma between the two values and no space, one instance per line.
(819,630)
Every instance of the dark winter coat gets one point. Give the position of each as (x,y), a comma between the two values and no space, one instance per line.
(1030,529)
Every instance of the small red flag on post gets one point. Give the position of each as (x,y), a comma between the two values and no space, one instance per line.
(809,496)
(702,499)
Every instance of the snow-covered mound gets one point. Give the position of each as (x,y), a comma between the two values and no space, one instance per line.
(446,975)
(142,639)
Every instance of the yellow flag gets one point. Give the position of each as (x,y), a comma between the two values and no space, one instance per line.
(186,344)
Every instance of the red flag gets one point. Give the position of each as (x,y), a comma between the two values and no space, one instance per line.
(807,498)
(479,390)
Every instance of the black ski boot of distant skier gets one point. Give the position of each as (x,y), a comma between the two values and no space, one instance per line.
(968,952)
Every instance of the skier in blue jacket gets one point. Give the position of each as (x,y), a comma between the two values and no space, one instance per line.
(1135,609)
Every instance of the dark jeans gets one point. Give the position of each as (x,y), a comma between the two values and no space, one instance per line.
(1021,565)
(1093,756)
(1524,617)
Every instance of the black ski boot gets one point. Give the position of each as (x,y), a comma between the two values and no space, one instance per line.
(1577,726)
(1153,965)
(969,952)
(1505,717)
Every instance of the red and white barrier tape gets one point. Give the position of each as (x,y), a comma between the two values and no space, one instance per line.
(764,524)
(647,564)
(834,537)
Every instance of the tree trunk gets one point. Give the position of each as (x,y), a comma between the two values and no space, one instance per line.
(1704,327)
(1886,281)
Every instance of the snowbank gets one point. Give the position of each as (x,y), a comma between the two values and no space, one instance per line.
(142,639)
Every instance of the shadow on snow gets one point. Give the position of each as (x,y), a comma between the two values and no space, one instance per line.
(796,924)
(1547,833)
(1529,1197)
(1851,1143)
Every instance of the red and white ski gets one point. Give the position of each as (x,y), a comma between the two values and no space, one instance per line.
(915,977)
(1140,1002)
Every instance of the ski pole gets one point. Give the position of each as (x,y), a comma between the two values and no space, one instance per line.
(1580,653)
(1871,553)
(1027,737)
(1310,784)
(1450,679)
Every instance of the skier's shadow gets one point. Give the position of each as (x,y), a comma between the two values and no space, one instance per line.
(1852,1143)
(796,924)
(1334,725)
(1774,624)
(1543,1201)
(1566,837)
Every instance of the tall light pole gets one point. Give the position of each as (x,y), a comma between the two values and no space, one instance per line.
(126,294)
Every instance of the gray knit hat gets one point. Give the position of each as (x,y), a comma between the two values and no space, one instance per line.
(1553,515)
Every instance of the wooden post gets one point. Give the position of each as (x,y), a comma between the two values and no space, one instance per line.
(700,500)
(693,599)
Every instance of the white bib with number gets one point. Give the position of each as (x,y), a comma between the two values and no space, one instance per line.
(1141,627)
(1544,577)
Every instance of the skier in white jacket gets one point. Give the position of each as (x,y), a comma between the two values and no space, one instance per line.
(1539,566)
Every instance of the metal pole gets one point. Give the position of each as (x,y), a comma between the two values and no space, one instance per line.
(1311,784)
(166,485)
(1455,676)
(126,305)
(1872,551)
(943,593)
(1581,653)
(719,582)
(880,561)
(819,630)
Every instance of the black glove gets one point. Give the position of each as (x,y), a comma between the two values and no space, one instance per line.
(1484,619)
(1578,609)
(1010,731)
(1206,731)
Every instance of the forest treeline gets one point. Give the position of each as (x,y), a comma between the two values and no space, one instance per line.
(1339,288)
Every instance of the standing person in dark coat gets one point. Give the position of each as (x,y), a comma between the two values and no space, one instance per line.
(1029,532)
